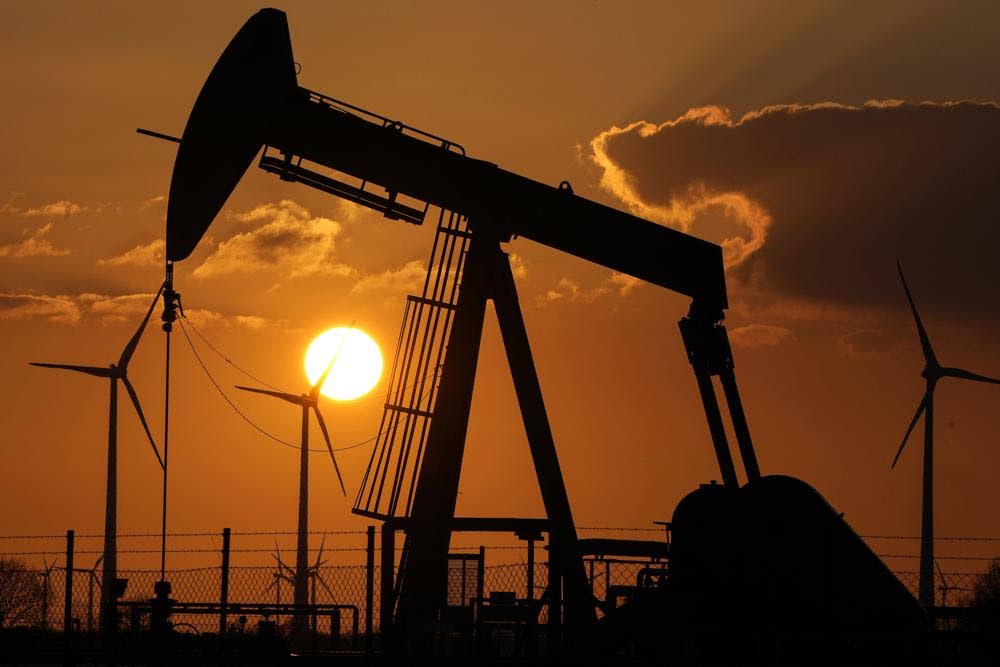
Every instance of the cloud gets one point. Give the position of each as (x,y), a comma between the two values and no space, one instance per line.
(759,335)
(813,203)
(406,279)
(623,283)
(59,308)
(518,267)
(286,241)
(33,245)
(204,318)
(694,205)
(62,208)
(867,344)
(107,309)
(567,290)
(157,201)
(148,254)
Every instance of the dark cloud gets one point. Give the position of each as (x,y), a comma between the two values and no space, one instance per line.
(867,344)
(828,196)
(759,335)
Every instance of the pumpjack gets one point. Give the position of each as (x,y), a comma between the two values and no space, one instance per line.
(769,553)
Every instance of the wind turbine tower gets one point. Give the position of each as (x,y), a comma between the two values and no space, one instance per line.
(115,373)
(307,402)
(932,373)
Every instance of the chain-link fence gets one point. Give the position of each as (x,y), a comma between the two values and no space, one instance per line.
(33,579)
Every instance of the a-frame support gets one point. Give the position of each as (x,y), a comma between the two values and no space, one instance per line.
(486,275)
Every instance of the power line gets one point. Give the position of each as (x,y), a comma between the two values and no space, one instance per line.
(228,360)
(266,384)
(226,398)
(258,428)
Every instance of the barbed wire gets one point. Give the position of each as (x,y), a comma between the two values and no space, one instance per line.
(913,556)
(271,550)
(622,529)
(936,539)
(97,535)
(78,536)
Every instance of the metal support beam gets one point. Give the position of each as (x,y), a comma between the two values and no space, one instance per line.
(740,427)
(707,347)
(487,275)
(423,588)
(579,606)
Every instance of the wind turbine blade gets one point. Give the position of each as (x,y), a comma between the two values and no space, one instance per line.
(281,563)
(99,371)
(325,587)
(913,422)
(282,568)
(329,447)
(142,418)
(291,398)
(134,342)
(320,554)
(966,375)
(925,342)
(314,392)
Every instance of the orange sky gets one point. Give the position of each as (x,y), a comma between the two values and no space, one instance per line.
(829,377)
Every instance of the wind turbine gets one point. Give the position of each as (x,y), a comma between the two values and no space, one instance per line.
(46,592)
(115,373)
(309,401)
(933,371)
(946,587)
(314,577)
(279,576)
(288,575)
(91,578)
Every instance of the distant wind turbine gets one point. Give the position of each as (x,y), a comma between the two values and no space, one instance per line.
(309,401)
(91,578)
(933,371)
(115,373)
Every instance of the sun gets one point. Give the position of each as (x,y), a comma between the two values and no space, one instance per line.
(358,364)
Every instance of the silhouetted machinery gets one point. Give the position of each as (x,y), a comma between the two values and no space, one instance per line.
(768,554)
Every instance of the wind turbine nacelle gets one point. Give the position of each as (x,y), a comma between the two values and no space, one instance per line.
(252,99)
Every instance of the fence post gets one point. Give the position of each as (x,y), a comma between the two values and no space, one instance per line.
(480,573)
(224,593)
(387,583)
(369,588)
(530,585)
(68,605)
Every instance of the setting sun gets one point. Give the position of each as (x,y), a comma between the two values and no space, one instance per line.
(358,364)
